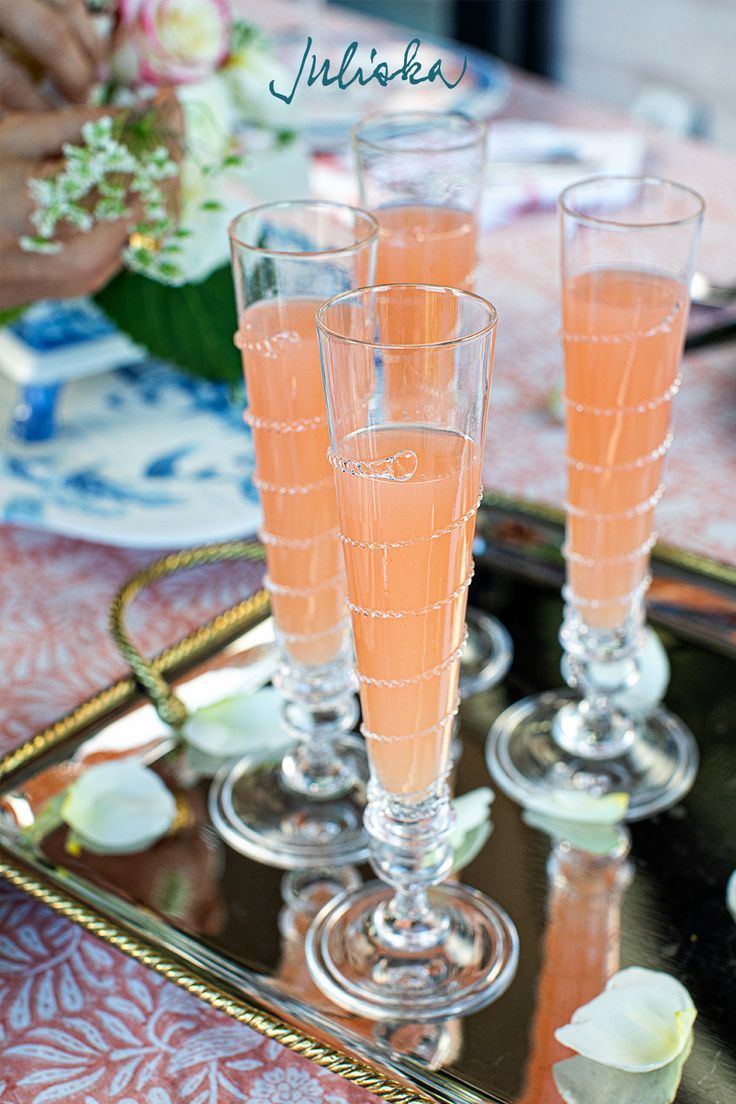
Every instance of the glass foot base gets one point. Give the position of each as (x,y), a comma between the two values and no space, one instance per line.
(473,964)
(257,814)
(487,655)
(656,770)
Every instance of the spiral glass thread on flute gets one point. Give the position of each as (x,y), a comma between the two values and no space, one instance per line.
(628,250)
(407,373)
(421,175)
(302,807)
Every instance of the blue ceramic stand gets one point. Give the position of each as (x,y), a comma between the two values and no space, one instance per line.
(34,416)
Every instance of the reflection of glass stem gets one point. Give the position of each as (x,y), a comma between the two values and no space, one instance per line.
(434,1044)
(581,951)
(304,892)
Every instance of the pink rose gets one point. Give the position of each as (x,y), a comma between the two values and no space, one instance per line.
(170,41)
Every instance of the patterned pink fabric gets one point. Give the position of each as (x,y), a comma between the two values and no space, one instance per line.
(82,1024)
(79,1022)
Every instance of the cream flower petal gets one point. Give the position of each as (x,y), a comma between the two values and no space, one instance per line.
(118,807)
(651,685)
(230,682)
(641,1021)
(731,895)
(582,1081)
(234,725)
(579,805)
(472,825)
(594,839)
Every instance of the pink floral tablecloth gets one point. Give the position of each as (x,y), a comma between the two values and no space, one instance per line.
(79,1022)
(525,445)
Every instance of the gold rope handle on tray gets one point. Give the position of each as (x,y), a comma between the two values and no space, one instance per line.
(169,707)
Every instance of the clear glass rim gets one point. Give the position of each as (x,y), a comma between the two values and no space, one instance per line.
(477,129)
(314,204)
(449,343)
(567,208)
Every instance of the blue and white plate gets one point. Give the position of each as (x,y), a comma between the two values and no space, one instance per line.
(145,457)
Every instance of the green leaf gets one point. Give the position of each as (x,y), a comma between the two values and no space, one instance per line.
(191,326)
(244,34)
(12,314)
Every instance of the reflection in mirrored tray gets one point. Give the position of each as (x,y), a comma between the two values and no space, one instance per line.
(660,903)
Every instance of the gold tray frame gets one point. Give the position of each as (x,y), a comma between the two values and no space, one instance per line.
(192,648)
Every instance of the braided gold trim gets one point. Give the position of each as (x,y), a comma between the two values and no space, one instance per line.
(225,626)
(169,707)
(237,1009)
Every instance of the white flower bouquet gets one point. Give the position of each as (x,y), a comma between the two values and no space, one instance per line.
(177,188)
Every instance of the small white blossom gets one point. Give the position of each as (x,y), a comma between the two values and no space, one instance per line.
(98,132)
(43,191)
(116,161)
(39,245)
(110,209)
(120,159)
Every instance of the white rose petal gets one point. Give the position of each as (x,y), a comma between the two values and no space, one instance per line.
(579,805)
(191,29)
(209,118)
(641,1021)
(248,73)
(654,678)
(206,248)
(124,63)
(234,725)
(118,807)
(651,685)
(594,839)
(231,682)
(581,1081)
(472,825)
(731,895)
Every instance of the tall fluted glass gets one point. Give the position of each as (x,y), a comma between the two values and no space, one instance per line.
(421,174)
(407,372)
(303,806)
(628,249)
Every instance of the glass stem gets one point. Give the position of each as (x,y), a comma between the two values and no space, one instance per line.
(318,706)
(601,664)
(410,851)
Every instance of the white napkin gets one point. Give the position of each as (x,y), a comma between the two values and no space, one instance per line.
(530,164)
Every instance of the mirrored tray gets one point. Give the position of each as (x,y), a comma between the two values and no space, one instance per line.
(227,928)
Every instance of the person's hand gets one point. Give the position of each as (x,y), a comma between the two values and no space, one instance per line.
(30,145)
(55,39)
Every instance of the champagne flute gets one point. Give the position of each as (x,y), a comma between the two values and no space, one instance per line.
(303,806)
(628,251)
(421,174)
(408,490)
